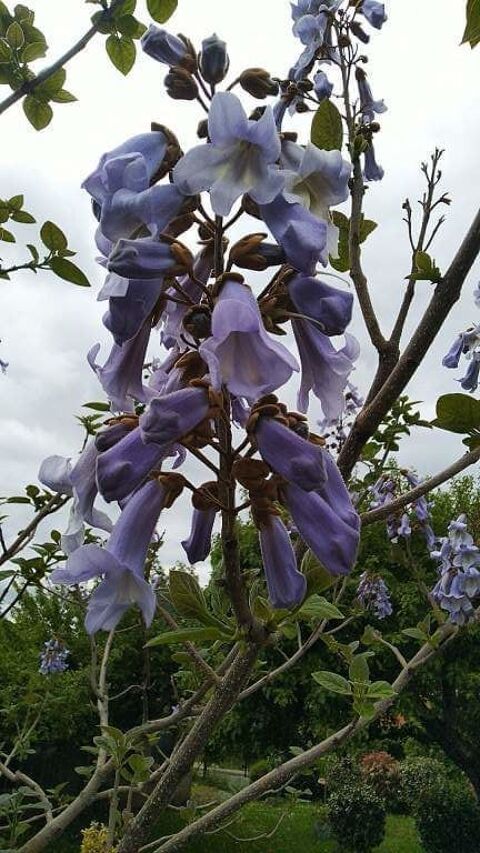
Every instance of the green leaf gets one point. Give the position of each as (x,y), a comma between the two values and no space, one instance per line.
(187,635)
(5,51)
(122,52)
(38,113)
(6,236)
(161,10)
(317,607)
(34,252)
(34,50)
(426,269)
(63,97)
(97,407)
(333,682)
(16,202)
(327,131)
(359,670)
(317,576)
(127,25)
(32,34)
(380,690)
(68,271)
(53,237)
(364,709)
(458,413)
(188,599)
(52,84)
(415,633)
(23,13)
(15,36)
(472,29)
(367,226)
(23,216)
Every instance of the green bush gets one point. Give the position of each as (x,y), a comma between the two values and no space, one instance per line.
(448,819)
(259,768)
(342,773)
(357,818)
(416,778)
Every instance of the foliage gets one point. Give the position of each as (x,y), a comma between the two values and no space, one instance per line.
(417,777)
(381,771)
(448,818)
(94,839)
(357,817)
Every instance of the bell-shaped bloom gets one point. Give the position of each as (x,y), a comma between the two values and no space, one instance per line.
(143,258)
(136,160)
(58,474)
(198,545)
(288,454)
(240,353)
(369,107)
(374,12)
(470,381)
(286,585)
(121,563)
(322,86)
(452,358)
(240,158)
(121,375)
(130,304)
(404,528)
(163,46)
(302,236)
(170,417)
(126,464)
(317,179)
(113,433)
(373,594)
(325,370)
(372,171)
(320,520)
(329,306)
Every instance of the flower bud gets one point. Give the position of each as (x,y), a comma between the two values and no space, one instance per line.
(258,83)
(172,154)
(169,49)
(252,253)
(359,32)
(213,60)
(180,84)
(198,322)
(202,129)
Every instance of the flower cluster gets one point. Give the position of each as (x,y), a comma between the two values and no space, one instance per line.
(53,657)
(467,343)
(384,491)
(374,596)
(220,361)
(458,566)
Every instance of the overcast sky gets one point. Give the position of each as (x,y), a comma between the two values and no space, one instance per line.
(431,86)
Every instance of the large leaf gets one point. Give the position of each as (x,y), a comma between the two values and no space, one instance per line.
(458,413)
(38,113)
(161,10)
(359,670)
(187,635)
(189,600)
(380,690)
(317,576)
(53,237)
(327,130)
(122,52)
(472,29)
(68,271)
(333,682)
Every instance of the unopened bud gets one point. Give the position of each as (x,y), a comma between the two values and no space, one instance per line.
(183,258)
(202,129)
(252,253)
(301,107)
(198,322)
(251,207)
(359,32)
(180,84)
(213,60)
(172,154)
(180,224)
(258,83)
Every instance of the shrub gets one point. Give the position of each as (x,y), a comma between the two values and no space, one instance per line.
(357,818)
(382,772)
(342,773)
(448,819)
(259,768)
(416,778)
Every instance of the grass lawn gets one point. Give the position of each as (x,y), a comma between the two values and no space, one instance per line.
(302,828)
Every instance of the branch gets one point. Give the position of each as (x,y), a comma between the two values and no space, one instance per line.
(281,775)
(445,295)
(192,651)
(30,85)
(18,776)
(56,502)
(427,486)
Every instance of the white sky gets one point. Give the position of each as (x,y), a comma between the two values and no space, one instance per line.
(431,86)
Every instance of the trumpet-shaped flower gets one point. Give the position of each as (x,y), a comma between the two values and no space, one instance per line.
(302,236)
(330,307)
(374,12)
(288,454)
(170,417)
(240,353)
(197,546)
(286,585)
(240,158)
(121,375)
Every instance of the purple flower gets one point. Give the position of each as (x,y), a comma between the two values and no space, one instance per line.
(174,415)
(240,353)
(121,563)
(197,546)
(130,304)
(144,258)
(240,158)
(476,295)
(373,594)
(459,581)
(325,370)
(368,106)
(286,585)
(163,46)
(328,306)
(53,657)
(404,528)
(374,12)
(302,236)
(288,454)
(125,465)
(452,358)
(322,86)
(372,171)
(3,366)
(470,381)
(121,375)
(213,60)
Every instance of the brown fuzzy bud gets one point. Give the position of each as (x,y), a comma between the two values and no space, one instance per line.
(252,253)
(250,473)
(172,154)
(174,484)
(183,258)
(202,129)
(189,61)
(250,206)
(258,83)
(180,84)
(180,224)
(206,496)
